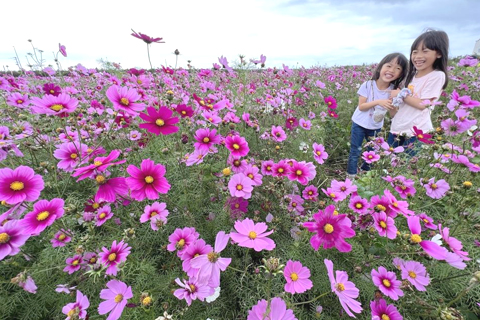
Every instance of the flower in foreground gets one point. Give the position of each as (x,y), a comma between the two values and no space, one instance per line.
(60,105)
(383,311)
(156,213)
(124,99)
(12,238)
(319,153)
(276,310)
(77,309)
(20,184)
(297,277)
(112,257)
(251,235)
(430,247)
(302,172)
(159,121)
(237,145)
(421,136)
(436,189)
(146,38)
(416,273)
(330,230)
(240,186)
(387,282)
(181,239)
(115,297)
(148,181)
(43,215)
(345,290)
(192,289)
(197,248)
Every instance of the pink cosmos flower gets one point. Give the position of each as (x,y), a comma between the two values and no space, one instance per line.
(387,282)
(20,184)
(281,169)
(192,289)
(277,310)
(381,310)
(396,206)
(453,243)
(103,214)
(100,164)
(303,172)
(109,188)
(70,154)
(252,172)
(112,257)
(346,188)
(73,264)
(422,137)
(319,153)
(297,277)
(18,100)
(43,215)
(278,134)
(159,121)
(184,110)
(291,123)
(156,213)
(336,197)
(427,221)
(370,157)
(212,117)
(252,235)
(206,138)
(359,205)
(430,247)
(209,265)
(295,203)
(310,193)
(416,274)
(237,145)
(195,249)
(12,238)
(148,181)
(305,124)
(385,225)
(237,165)
(61,238)
(436,190)
(267,167)
(124,99)
(345,290)
(331,102)
(77,309)
(237,207)
(387,149)
(180,239)
(60,105)
(116,297)
(62,50)
(240,186)
(330,230)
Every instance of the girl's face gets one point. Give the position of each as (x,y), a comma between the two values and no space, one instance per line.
(423,59)
(390,71)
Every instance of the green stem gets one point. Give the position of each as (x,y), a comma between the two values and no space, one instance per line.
(310,301)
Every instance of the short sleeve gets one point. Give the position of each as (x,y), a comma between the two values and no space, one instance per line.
(433,86)
(363,91)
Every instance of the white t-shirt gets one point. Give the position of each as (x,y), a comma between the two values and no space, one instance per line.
(365,118)
(427,87)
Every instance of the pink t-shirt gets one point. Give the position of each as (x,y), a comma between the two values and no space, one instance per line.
(426,88)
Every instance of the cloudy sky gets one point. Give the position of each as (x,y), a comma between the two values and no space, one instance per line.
(292,32)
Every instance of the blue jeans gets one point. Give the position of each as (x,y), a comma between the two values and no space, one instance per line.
(358,134)
(410,144)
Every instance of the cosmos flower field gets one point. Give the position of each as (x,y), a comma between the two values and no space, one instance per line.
(222,194)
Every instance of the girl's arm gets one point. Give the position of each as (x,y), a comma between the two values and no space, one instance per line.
(363,105)
(417,103)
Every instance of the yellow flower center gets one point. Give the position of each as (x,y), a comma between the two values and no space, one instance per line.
(385,317)
(181,243)
(236,206)
(358,206)
(416,238)
(118,298)
(328,228)
(4,237)
(370,156)
(17,185)
(43,215)
(100,179)
(298,172)
(206,140)
(226,171)
(319,153)
(412,274)
(239,187)
(192,287)
(433,186)
(97,163)
(379,207)
(153,214)
(92,260)
(395,204)
(19,101)
(184,112)
(102,215)
(73,156)
(383,224)
(420,136)
(56,107)
(146,301)
(212,257)
(294,204)
(148,179)
(72,312)
(280,170)
(386,283)
(52,91)
(252,235)
(159,122)
(250,175)
(294,276)
(467,184)
(75,262)
(236,146)
(95,205)
(340,287)
(332,195)
(62,237)
(124,101)
(335,212)
(112,256)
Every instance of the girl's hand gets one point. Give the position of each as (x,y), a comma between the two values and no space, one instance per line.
(394,93)
(386,103)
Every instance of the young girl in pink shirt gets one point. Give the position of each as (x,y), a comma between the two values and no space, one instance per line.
(426,78)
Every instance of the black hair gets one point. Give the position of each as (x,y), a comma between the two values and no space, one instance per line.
(436,40)
(401,60)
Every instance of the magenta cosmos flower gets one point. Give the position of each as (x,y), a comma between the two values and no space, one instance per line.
(192,289)
(252,235)
(384,225)
(73,264)
(387,282)
(277,310)
(60,105)
(278,134)
(319,153)
(197,248)
(146,38)
(156,213)
(70,154)
(159,121)
(116,297)
(181,239)
(302,172)
(124,99)
(100,164)
(237,145)
(206,138)
(430,247)
(112,257)
(240,186)
(416,274)
(77,309)
(61,238)
(297,277)
(422,137)
(43,215)
(62,50)
(103,214)
(345,290)
(330,230)
(359,205)
(12,238)
(383,311)
(331,102)
(148,181)
(20,184)
(370,156)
